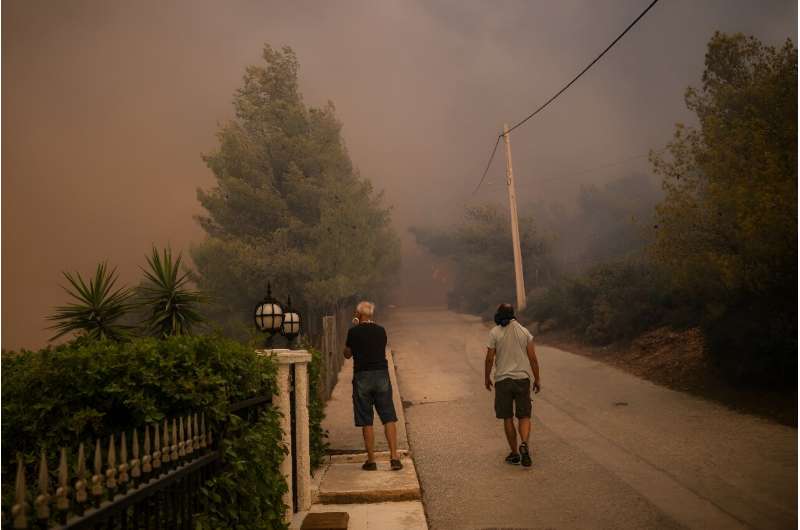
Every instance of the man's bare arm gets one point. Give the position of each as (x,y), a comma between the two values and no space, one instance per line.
(347,352)
(537,385)
(490,353)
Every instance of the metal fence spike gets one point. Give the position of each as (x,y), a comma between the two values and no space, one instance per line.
(165,453)
(146,457)
(98,458)
(181,442)
(203,430)
(157,452)
(19,511)
(80,469)
(42,501)
(173,453)
(189,446)
(62,493)
(97,477)
(111,470)
(123,459)
(80,476)
(136,463)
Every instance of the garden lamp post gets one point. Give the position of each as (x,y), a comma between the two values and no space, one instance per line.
(291,325)
(269,315)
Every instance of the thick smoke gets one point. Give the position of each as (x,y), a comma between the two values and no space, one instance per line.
(109,105)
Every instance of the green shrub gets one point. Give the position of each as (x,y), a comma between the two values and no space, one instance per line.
(754,341)
(87,389)
(248,493)
(171,307)
(97,309)
(611,302)
(316,409)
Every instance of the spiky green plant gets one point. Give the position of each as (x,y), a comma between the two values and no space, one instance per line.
(97,308)
(170,306)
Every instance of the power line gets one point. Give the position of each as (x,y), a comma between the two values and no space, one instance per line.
(488,164)
(546,103)
(595,168)
(604,166)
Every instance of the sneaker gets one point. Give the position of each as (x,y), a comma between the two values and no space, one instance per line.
(513,459)
(526,456)
(369,466)
(396,464)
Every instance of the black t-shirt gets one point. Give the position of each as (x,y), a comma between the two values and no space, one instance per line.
(368,344)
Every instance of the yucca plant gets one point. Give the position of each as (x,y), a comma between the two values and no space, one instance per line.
(97,309)
(169,304)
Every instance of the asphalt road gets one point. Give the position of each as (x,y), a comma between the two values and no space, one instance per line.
(610,450)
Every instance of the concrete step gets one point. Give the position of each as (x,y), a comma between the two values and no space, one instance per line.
(345,482)
(376,516)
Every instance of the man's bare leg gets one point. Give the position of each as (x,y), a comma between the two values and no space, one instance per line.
(511,433)
(369,442)
(390,429)
(524,429)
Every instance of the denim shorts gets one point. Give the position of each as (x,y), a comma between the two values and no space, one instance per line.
(372,388)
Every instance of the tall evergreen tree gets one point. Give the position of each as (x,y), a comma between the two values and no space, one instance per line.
(289,207)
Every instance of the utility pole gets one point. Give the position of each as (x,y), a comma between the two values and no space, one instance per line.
(512,203)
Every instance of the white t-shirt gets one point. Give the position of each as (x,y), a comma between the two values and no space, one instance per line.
(511,344)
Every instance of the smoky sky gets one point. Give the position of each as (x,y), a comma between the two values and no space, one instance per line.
(108,106)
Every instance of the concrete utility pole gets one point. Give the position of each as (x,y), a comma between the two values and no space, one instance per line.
(512,203)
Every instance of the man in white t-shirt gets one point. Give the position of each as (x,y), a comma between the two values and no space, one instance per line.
(511,352)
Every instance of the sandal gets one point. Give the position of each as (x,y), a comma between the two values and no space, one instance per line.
(369,466)
(396,464)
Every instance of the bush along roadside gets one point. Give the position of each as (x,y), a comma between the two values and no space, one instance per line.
(316,408)
(88,389)
(611,302)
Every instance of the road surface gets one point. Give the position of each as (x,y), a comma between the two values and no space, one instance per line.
(610,450)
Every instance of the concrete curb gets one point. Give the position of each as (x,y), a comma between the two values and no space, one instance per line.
(361,456)
(400,410)
(408,444)
(371,497)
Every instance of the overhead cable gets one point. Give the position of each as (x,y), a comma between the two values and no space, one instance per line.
(546,103)
(488,164)
(563,89)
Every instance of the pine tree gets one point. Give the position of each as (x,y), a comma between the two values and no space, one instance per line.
(289,207)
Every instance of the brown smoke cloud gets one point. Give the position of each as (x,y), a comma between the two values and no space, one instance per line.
(108,106)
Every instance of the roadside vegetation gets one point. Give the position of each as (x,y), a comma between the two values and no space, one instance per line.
(715,250)
(132,360)
(288,206)
(480,247)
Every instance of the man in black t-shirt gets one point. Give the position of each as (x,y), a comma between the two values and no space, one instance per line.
(366,344)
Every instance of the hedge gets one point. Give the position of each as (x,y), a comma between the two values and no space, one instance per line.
(58,397)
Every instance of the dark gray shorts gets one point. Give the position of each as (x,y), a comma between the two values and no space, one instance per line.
(512,395)
(372,388)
